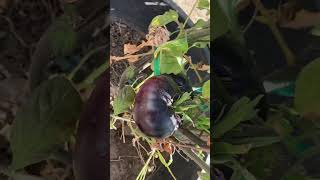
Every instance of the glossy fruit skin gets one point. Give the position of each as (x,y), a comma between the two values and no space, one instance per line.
(152,110)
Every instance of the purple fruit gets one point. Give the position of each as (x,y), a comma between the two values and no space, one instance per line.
(152,110)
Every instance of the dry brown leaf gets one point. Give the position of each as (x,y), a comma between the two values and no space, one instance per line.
(131,48)
(158,36)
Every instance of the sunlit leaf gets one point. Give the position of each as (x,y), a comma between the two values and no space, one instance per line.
(124,100)
(206,90)
(166,18)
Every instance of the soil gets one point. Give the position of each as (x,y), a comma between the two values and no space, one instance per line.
(125,162)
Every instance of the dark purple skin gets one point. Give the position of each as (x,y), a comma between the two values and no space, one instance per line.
(152,110)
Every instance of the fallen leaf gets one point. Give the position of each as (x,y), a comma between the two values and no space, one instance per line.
(130,48)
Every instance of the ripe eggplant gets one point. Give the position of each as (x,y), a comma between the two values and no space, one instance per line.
(152,110)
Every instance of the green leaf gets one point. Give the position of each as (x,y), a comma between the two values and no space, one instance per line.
(171,64)
(307,96)
(46,121)
(124,100)
(177,47)
(220,27)
(206,90)
(185,96)
(200,24)
(203,123)
(166,18)
(130,72)
(63,38)
(204,4)
(204,176)
(226,148)
(242,110)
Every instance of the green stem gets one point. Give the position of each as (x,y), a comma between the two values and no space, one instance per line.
(271,23)
(94,75)
(84,59)
(192,9)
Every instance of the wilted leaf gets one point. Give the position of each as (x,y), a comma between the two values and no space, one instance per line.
(307,96)
(167,17)
(157,36)
(124,100)
(206,90)
(242,110)
(46,121)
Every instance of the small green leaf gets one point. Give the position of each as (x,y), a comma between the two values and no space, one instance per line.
(204,4)
(307,96)
(45,122)
(124,100)
(130,72)
(242,110)
(206,90)
(185,96)
(166,18)
(226,148)
(200,24)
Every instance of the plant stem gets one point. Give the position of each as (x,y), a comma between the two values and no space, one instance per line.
(192,9)
(192,137)
(271,23)
(94,75)
(196,34)
(196,159)
(84,59)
